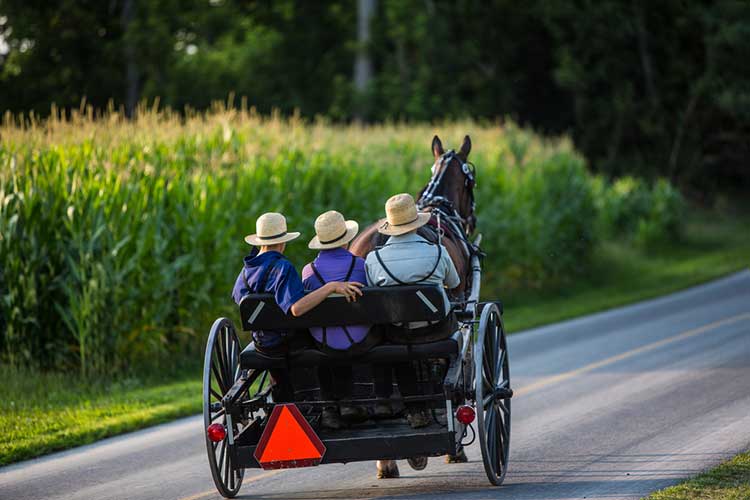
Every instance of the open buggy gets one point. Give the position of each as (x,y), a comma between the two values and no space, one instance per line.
(461,378)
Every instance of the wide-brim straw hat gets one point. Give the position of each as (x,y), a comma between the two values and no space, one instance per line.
(402,216)
(270,229)
(332,231)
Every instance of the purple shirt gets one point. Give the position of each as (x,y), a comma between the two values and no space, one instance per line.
(333,266)
(282,281)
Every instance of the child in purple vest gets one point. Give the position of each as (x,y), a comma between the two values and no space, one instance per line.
(336,263)
(267,270)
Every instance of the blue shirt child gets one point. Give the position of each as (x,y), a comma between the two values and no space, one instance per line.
(281,279)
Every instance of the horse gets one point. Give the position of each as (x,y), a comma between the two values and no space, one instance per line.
(449,196)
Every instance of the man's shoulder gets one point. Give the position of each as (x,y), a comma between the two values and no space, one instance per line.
(284,266)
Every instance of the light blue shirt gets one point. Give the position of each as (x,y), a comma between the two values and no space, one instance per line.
(410,258)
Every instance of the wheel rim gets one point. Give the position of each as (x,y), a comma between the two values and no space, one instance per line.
(220,370)
(492,374)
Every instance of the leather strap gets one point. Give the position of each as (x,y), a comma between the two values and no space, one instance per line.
(434,268)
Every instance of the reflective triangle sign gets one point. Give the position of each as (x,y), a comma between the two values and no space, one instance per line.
(288,440)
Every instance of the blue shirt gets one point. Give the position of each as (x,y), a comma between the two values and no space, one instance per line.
(282,281)
(333,265)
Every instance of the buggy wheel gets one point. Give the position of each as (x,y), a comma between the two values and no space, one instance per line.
(492,386)
(220,370)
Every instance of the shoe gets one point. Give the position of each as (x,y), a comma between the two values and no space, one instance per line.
(418,418)
(458,458)
(330,419)
(387,469)
(417,463)
(354,413)
(383,409)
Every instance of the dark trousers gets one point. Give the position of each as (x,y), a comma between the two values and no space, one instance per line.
(406,376)
(336,382)
(283,390)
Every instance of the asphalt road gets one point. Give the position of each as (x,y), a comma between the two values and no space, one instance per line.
(613,405)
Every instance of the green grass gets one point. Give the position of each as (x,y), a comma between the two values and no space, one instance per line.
(729,481)
(48,412)
(714,245)
(42,413)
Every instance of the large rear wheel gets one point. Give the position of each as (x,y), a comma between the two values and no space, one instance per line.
(220,370)
(493,393)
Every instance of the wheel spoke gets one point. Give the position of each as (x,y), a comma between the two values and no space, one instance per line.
(501,448)
(219,380)
(223,358)
(226,469)
(488,399)
(499,365)
(262,384)
(220,462)
(502,407)
(231,473)
(218,414)
(220,356)
(491,434)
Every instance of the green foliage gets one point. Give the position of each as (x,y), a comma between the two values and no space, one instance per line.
(121,240)
(728,481)
(649,214)
(647,89)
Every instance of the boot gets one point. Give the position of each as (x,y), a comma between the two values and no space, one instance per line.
(387,469)
(458,458)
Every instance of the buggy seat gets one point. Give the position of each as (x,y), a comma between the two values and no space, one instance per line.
(377,306)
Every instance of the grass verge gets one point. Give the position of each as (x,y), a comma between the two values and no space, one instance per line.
(714,245)
(42,413)
(728,481)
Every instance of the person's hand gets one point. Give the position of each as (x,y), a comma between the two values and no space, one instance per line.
(349,289)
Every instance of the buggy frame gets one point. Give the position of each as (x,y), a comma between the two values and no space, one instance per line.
(471,367)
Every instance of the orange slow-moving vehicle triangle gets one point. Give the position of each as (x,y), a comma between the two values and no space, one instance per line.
(288,440)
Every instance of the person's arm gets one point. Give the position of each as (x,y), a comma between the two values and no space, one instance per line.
(240,287)
(350,289)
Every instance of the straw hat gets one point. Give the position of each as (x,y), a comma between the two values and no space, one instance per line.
(332,231)
(270,229)
(402,216)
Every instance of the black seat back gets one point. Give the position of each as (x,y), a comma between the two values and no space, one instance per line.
(377,306)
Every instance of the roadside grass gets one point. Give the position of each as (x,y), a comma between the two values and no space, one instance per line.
(45,412)
(728,481)
(42,413)
(714,245)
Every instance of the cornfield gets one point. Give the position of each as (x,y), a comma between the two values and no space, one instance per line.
(120,240)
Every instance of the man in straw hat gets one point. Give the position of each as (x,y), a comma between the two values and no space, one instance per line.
(335,263)
(408,259)
(266,269)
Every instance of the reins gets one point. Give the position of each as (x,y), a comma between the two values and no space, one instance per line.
(443,208)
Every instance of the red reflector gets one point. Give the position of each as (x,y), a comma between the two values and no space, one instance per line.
(288,441)
(216,432)
(465,414)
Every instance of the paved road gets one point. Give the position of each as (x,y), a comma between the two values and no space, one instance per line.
(613,405)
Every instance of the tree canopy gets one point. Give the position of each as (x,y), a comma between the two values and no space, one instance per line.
(653,88)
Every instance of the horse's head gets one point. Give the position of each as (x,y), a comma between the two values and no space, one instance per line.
(452,183)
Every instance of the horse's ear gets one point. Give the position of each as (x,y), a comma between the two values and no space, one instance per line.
(437,147)
(465,148)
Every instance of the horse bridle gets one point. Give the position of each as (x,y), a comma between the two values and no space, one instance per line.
(430,199)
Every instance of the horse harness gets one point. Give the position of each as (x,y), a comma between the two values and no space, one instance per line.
(420,280)
(443,208)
